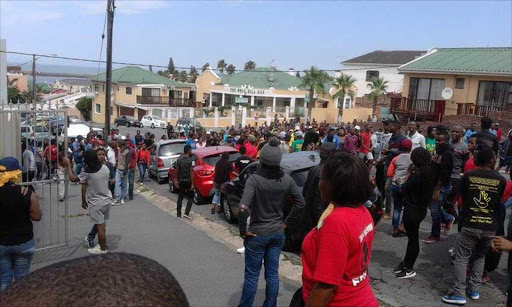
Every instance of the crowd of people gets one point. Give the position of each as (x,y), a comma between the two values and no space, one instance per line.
(450,170)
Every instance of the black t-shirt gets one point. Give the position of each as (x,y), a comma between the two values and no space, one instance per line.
(222,171)
(183,164)
(417,192)
(482,192)
(15,223)
(242,162)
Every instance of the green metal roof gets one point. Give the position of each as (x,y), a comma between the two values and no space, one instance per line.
(488,61)
(261,78)
(137,75)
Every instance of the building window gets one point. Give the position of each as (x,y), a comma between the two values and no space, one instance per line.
(426,89)
(495,94)
(103,87)
(372,74)
(347,103)
(96,88)
(97,108)
(459,83)
(128,90)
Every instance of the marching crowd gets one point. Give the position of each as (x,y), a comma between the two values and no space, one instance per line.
(450,170)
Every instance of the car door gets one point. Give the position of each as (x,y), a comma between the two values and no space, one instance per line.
(236,190)
(122,121)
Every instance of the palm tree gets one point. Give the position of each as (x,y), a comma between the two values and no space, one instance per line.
(230,69)
(249,65)
(205,66)
(379,89)
(314,81)
(221,65)
(343,84)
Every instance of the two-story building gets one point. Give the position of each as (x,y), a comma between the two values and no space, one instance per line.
(137,92)
(73,85)
(451,81)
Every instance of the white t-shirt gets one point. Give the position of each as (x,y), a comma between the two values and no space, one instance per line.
(418,140)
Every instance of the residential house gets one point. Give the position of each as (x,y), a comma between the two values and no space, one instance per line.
(74,85)
(474,81)
(137,92)
(17,80)
(378,64)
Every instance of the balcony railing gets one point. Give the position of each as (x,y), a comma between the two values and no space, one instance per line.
(478,110)
(165,100)
(417,108)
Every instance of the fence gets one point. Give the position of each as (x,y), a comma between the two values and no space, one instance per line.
(38,131)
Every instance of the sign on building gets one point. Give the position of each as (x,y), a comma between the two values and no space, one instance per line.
(240,100)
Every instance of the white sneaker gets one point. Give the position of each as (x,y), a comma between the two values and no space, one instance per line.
(142,183)
(187,216)
(241,250)
(122,201)
(97,250)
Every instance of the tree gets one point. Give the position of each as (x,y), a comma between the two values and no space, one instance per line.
(170,66)
(249,65)
(162,73)
(193,74)
(84,105)
(205,66)
(379,89)
(314,81)
(182,76)
(231,69)
(297,74)
(150,68)
(343,84)
(221,65)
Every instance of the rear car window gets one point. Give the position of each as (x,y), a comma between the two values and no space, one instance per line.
(40,129)
(300,177)
(213,159)
(171,149)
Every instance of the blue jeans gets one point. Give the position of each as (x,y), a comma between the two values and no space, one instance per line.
(257,249)
(92,234)
(120,185)
(398,197)
(131,180)
(15,262)
(216,195)
(78,168)
(142,171)
(438,214)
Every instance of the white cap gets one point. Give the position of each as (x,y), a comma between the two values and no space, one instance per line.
(357,128)
(208,132)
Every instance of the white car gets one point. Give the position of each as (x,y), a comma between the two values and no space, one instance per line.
(152,121)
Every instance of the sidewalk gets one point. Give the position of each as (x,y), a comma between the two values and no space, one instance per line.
(210,273)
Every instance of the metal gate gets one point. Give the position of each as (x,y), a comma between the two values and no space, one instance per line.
(35,128)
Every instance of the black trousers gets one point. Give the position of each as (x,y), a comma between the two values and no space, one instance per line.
(412,219)
(380,178)
(27,177)
(184,190)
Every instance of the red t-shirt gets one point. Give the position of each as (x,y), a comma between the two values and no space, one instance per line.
(365,140)
(339,254)
(470,165)
(250,150)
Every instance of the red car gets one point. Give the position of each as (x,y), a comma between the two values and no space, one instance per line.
(204,170)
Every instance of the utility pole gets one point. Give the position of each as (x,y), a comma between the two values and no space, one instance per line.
(108,79)
(34,86)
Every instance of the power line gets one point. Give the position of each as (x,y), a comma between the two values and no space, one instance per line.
(177,68)
(102,40)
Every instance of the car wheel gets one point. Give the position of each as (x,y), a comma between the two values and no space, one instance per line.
(141,125)
(227,209)
(127,125)
(152,126)
(198,199)
(117,124)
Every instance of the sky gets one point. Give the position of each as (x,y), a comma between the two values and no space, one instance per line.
(292,34)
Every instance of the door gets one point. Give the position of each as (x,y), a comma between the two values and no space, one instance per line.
(141,114)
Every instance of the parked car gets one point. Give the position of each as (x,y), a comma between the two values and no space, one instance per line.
(75,130)
(37,133)
(73,119)
(164,154)
(56,124)
(127,121)
(192,122)
(204,170)
(152,121)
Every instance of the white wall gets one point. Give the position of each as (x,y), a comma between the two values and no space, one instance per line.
(390,74)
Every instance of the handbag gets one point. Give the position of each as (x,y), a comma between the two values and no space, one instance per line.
(297,299)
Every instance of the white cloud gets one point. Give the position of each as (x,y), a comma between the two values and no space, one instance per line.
(122,7)
(27,12)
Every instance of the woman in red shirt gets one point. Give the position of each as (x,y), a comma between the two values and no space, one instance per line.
(142,161)
(336,254)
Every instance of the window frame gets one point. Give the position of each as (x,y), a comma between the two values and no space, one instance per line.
(502,105)
(417,81)
(369,73)
(126,90)
(96,105)
(457,85)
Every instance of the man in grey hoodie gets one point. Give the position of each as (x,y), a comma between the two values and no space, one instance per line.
(262,201)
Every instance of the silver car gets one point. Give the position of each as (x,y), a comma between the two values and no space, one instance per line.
(163,155)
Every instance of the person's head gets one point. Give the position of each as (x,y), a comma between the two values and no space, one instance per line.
(163,137)
(342,132)
(431,132)
(225,156)
(457,132)
(394,127)
(420,157)
(442,139)
(405,145)
(510,134)
(368,128)
(271,154)
(102,154)
(344,181)
(138,132)
(298,135)
(53,142)
(485,123)
(80,138)
(485,158)
(472,143)
(357,129)
(10,170)
(331,131)
(473,126)
(121,143)
(326,150)
(131,278)
(413,127)
(187,150)
(385,125)
(112,144)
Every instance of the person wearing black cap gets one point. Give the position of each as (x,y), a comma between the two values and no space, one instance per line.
(184,165)
(262,201)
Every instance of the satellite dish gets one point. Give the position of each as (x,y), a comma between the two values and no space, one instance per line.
(447,93)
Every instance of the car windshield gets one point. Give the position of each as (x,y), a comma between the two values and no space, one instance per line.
(157,117)
(213,159)
(130,118)
(171,149)
(300,177)
(39,129)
